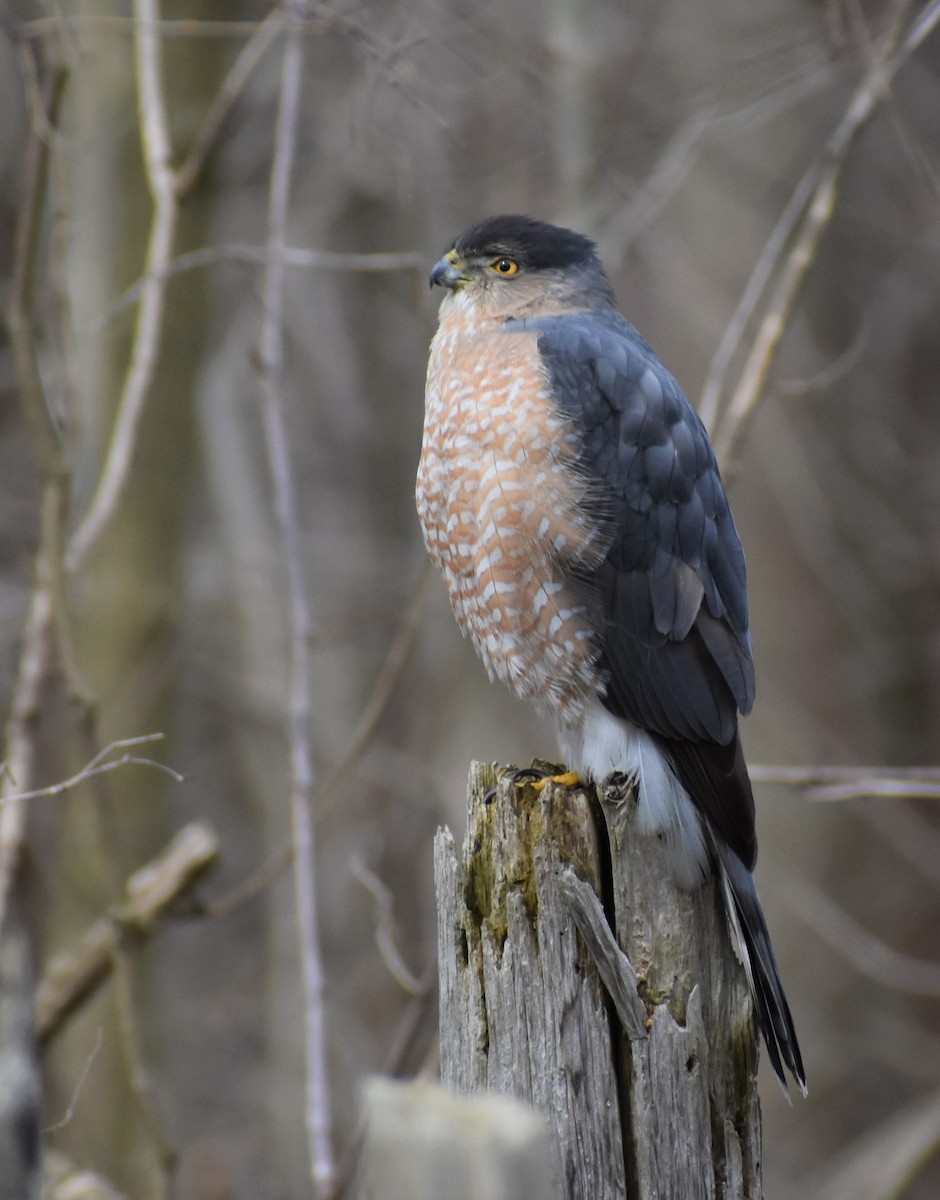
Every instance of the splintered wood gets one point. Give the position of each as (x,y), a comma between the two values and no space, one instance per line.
(576,976)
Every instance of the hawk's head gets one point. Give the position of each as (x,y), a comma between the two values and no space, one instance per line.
(515,262)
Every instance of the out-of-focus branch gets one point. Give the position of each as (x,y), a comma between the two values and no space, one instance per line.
(254,256)
(69,1115)
(21,727)
(167,188)
(25,249)
(856,945)
(806,216)
(767,263)
(850,783)
(670,169)
(72,978)
(382,692)
(21,735)
(139,1078)
(271,354)
(884,1162)
(911,835)
(233,86)
(189,28)
(155,143)
(410,1036)
(385,928)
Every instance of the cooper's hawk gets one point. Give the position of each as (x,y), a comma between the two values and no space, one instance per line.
(569,493)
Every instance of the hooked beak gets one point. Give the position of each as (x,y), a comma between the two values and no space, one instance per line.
(447,273)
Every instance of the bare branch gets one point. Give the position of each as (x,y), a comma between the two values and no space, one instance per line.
(869,955)
(69,1113)
(764,268)
(807,214)
(912,836)
(255,256)
(385,927)
(254,885)
(36,653)
(233,86)
(271,355)
(834,370)
(325,260)
(141,1083)
(668,172)
(20,734)
(97,766)
(72,978)
(884,1161)
(382,692)
(850,783)
(156,149)
(414,1023)
(51,26)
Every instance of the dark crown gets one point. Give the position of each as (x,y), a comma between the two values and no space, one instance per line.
(534,244)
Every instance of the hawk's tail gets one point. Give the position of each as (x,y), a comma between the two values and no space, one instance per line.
(752,939)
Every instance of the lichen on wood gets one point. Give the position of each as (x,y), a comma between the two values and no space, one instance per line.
(576,975)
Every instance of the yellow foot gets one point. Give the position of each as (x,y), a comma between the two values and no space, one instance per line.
(569,779)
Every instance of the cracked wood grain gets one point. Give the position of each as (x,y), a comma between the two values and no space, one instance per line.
(576,976)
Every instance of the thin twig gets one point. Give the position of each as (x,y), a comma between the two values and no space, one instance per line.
(413,1024)
(98,767)
(912,836)
(868,954)
(42,27)
(385,927)
(156,150)
(232,87)
(255,256)
(382,692)
(69,1113)
(887,1158)
(834,370)
(317,1107)
(668,172)
(247,889)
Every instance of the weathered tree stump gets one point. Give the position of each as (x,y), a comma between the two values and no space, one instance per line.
(577,976)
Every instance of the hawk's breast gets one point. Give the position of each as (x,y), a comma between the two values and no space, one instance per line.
(506,513)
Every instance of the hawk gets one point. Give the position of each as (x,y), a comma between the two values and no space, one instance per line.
(569,493)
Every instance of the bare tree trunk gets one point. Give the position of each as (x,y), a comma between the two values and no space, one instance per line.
(642,1054)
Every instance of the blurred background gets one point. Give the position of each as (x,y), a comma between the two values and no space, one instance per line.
(673,132)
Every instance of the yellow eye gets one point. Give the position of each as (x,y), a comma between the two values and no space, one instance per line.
(504,267)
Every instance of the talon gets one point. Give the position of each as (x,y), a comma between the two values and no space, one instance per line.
(527,774)
(568,779)
(538,779)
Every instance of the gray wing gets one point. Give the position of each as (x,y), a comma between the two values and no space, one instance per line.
(675,647)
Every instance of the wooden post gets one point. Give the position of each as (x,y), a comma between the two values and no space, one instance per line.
(577,976)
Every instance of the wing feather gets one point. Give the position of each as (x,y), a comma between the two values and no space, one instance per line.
(674,646)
